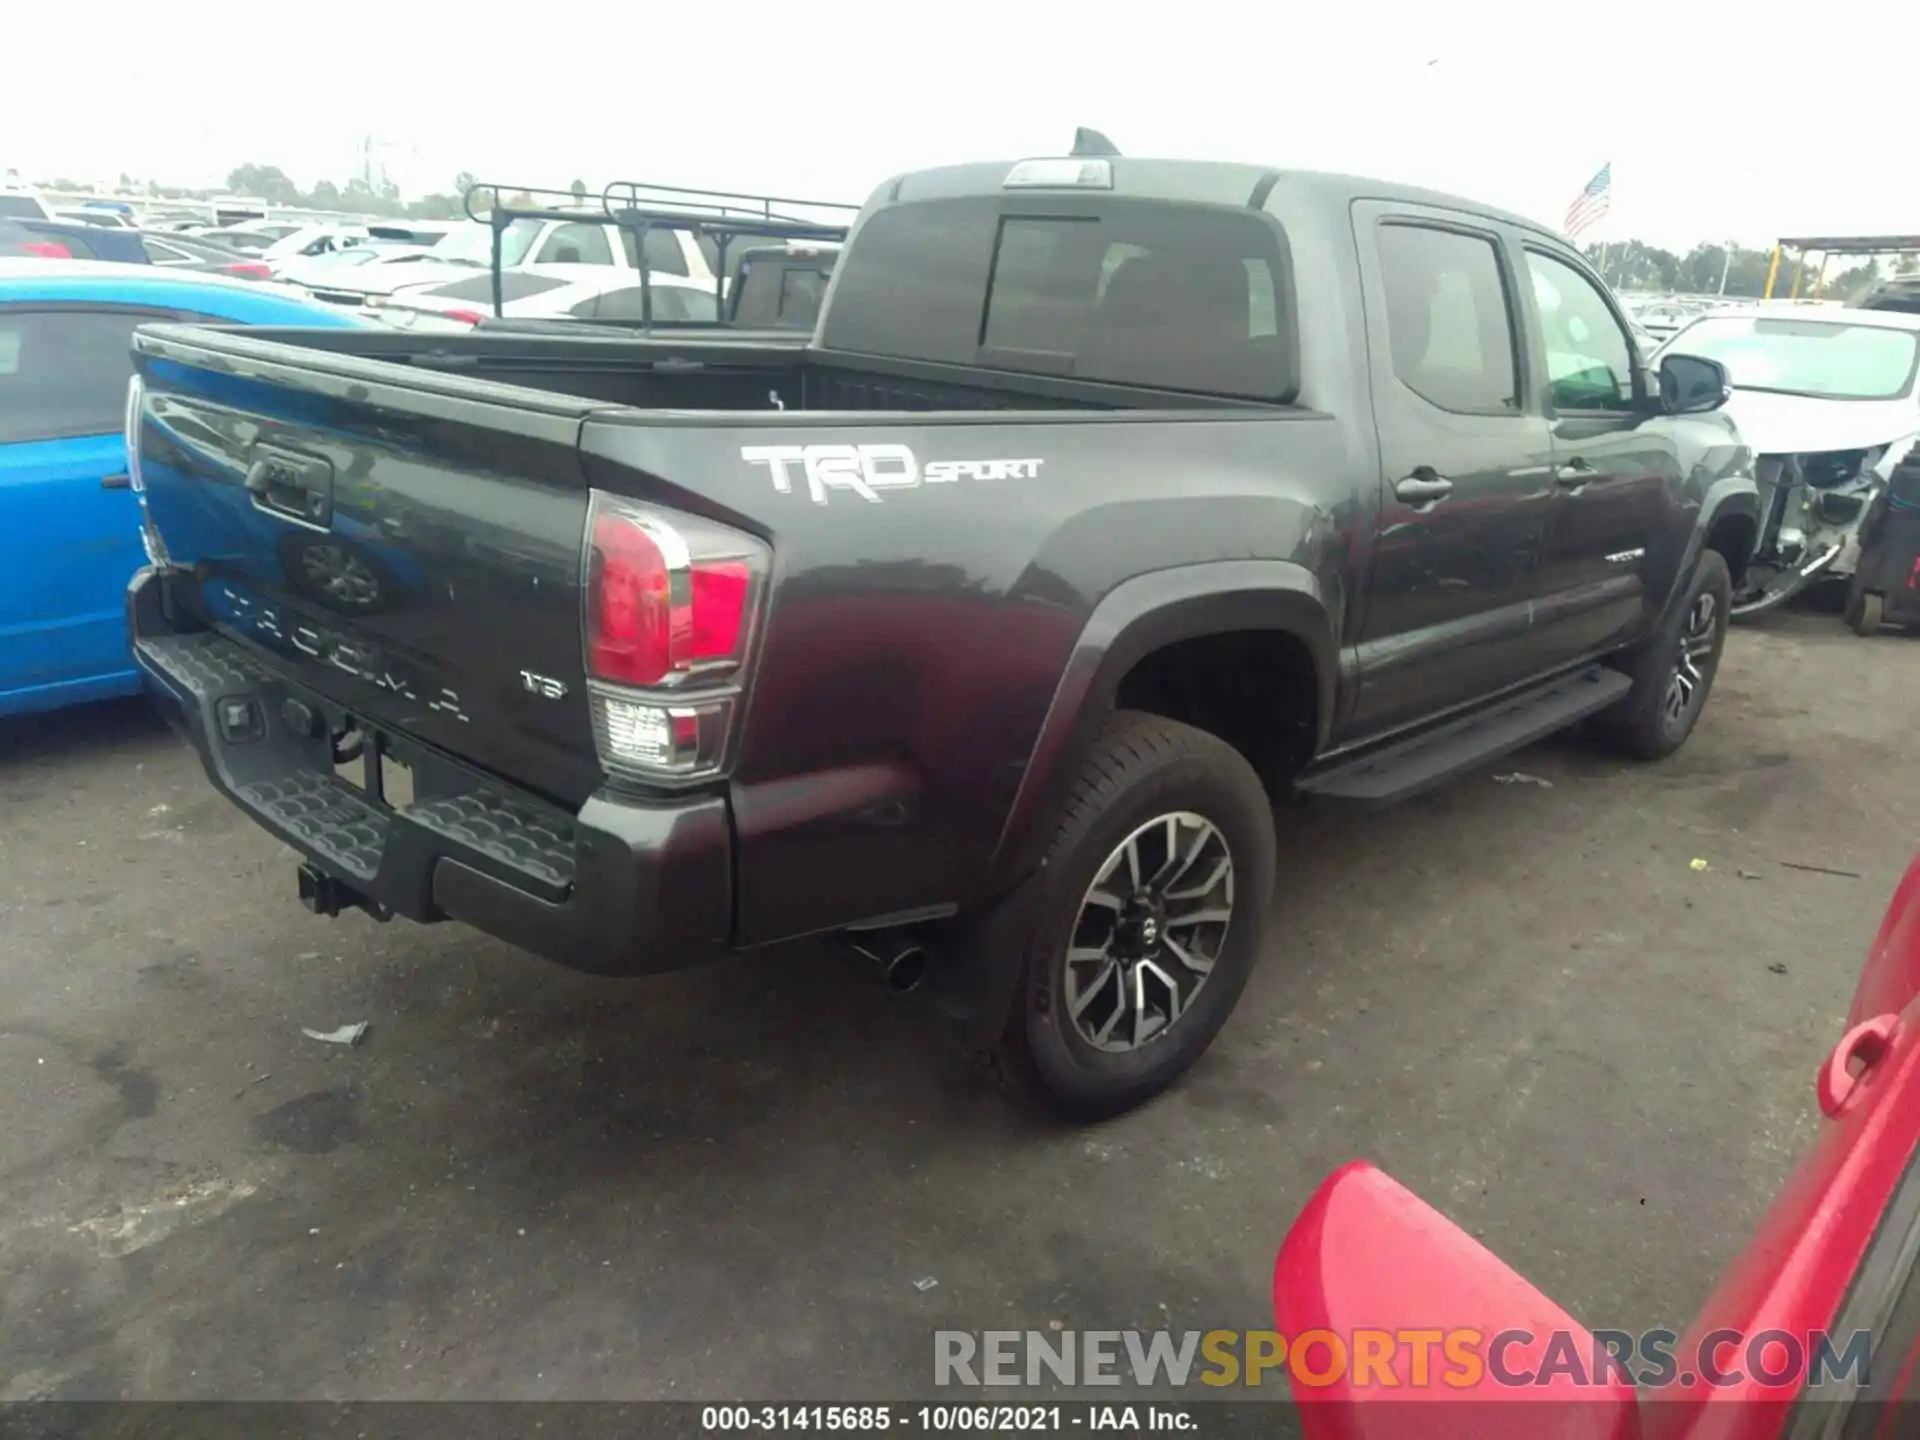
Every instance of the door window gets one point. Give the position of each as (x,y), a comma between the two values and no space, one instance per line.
(1589,357)
(65,372)
(1449,318)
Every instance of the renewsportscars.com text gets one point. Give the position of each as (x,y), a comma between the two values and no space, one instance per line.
(1457,1359)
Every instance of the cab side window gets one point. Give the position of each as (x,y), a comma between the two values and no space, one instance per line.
(1449,320)
(1589,356)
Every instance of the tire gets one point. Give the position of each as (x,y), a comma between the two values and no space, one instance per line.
(1865,615)
(1159,785)
(1651,723)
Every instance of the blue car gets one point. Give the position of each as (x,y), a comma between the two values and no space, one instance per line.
(69,521)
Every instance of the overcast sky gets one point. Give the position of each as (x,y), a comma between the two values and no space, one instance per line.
(1715,128)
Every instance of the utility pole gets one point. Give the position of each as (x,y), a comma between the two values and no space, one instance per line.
(1726,264)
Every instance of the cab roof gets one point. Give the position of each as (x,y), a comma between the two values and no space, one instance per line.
(1206,182)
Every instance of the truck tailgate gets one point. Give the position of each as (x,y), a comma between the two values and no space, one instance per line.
(405,543)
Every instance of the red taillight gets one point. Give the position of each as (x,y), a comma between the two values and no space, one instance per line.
(719,608)
(670,608)
(465,317)
(657,610)
(247,270)
(47,249)
(629,605)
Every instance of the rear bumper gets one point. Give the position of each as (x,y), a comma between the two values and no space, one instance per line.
(622,887)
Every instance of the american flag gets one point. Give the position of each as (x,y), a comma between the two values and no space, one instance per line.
(1591,203)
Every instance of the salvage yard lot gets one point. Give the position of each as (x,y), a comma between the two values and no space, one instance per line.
(733,1182)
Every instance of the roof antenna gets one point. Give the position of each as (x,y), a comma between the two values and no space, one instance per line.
(1091,142)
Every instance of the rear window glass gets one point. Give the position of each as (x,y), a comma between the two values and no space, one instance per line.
(512,287)
(781,292)
(1177,298)
(22,205)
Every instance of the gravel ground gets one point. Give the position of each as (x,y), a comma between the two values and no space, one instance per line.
(734,1182)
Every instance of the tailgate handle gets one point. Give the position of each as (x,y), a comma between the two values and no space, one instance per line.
(297,486)
(1853,1059)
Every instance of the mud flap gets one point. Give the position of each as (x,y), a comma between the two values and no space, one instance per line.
(983,961)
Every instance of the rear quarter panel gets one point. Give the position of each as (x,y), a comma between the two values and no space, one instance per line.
(915,641)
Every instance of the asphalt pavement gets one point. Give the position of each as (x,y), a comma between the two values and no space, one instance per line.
(1523,1000)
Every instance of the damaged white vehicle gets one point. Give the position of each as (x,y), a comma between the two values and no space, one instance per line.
(1827,403)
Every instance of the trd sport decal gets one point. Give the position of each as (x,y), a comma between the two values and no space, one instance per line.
(866,470)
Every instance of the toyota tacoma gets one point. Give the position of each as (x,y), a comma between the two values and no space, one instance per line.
(1111,501)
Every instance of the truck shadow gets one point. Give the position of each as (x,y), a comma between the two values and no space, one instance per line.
(77,732)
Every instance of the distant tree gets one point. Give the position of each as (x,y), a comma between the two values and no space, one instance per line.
(325,195)
(361,196)
(1907,265)
(1747,275)
(1852,283)
(266,182)
(1699,270)
(437,207)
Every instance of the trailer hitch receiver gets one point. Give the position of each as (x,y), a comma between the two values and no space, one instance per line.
(324,895)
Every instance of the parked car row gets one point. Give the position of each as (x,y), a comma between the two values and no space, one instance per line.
(77,240)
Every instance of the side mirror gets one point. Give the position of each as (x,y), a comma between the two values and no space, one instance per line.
(1693,384)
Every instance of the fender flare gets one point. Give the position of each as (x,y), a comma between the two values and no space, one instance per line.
(1134,619)
(1730,495)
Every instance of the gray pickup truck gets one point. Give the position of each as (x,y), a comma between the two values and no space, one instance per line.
(1111,501)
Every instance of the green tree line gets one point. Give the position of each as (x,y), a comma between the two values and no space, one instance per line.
(380,197)
(1635,265)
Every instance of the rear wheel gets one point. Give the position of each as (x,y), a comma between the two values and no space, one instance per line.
(1867,613)
(1673,674)
(1148,924)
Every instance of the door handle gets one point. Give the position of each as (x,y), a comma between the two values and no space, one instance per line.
(1859,1051)
(1574,474)
(116,482)
(1423,487)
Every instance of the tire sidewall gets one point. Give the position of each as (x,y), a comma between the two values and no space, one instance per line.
(1651,732)
(1223,790)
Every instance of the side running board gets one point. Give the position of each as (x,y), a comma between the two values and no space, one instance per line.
(1407,767)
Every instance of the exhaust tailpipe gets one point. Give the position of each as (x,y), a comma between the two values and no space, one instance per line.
(899,960)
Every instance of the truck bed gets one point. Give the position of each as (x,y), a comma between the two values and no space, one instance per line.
(717,372)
